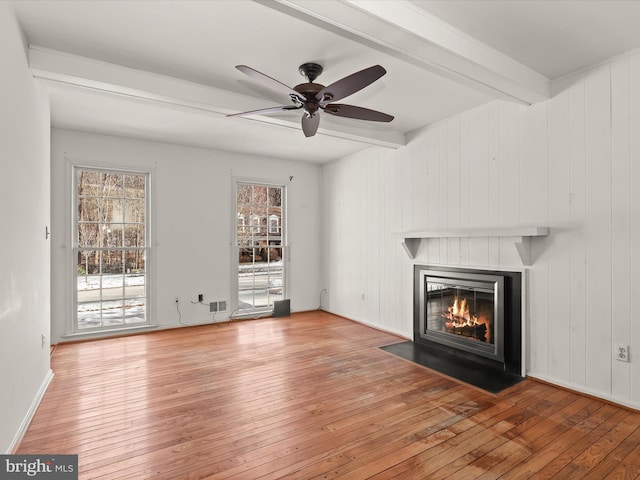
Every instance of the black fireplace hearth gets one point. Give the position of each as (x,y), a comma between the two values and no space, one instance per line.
(456,364)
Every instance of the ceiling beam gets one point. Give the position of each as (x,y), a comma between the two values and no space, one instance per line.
(88,73)
(401,28)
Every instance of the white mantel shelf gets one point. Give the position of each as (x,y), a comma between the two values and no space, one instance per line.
(521,238)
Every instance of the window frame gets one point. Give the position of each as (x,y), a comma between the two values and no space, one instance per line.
(249,227)
(146,249)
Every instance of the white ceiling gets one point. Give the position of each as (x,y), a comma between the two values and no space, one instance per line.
(164,70)
(553,37)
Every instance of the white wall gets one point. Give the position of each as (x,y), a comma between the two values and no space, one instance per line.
(571,163)
(24,251)
(192,207)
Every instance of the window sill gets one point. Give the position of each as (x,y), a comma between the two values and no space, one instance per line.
(107,333)
(252,314)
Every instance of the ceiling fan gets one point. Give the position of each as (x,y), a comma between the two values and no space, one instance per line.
(312,97)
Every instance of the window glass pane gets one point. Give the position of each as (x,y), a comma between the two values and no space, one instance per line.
(113,312)
(88,235)
(134,186)
(241,228)
(89,288)
(112,235)
(255,225)
(112,184)
(276,283)
(112,210)
(88,183)
(134,235)
(275,254)
(244,237)
(275,197)
(134,310)
(135,261)
(112,286)
(134,211)
(88,262)
(277,211)
(244,255)
(274,224)
(259,195)
(134,286)
(244,194)
(89,209)
(112,263)
(89,316)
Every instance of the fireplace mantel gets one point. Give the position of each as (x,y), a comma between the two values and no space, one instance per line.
(521,238)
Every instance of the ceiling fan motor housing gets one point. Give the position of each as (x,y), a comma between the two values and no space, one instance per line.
(309,91)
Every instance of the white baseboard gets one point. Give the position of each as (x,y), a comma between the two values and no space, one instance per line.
(30,413)
(592,393)
(372,325)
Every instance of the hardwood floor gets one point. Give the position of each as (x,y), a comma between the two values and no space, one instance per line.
(310,397)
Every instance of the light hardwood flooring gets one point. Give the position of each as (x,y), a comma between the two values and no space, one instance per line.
(310,397)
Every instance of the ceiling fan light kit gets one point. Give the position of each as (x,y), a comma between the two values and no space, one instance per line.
(312,97)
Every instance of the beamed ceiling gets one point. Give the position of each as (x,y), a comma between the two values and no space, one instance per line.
(164,70)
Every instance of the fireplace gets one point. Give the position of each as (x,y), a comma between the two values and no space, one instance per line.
(470,312)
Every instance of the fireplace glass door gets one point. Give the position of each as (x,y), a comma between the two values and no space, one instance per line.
(458,309)
(463,311)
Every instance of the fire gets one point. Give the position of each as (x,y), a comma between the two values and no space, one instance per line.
(459,321)
(459,314)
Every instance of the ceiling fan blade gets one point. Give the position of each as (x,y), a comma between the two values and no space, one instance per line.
(350,84)
(310,124)
(264,110)
(267,81)
(351,111)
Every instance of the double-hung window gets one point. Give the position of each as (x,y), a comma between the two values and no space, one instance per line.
(260,242)
(111,249)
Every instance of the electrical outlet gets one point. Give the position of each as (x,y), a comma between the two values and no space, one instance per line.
(621,353)
(213,307)
(200,297)
(222,305)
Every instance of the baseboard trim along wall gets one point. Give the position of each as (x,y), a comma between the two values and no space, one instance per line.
(30,413)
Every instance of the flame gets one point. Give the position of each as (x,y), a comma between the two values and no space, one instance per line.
(459,315)
(460,321)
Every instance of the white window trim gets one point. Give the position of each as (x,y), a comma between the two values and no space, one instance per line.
(250,313)
(74,331)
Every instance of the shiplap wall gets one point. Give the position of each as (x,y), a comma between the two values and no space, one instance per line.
(571,163)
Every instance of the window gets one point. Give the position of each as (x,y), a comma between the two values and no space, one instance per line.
(260,266)
(274,224)
(110,249)
(255,225)
(242,223)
